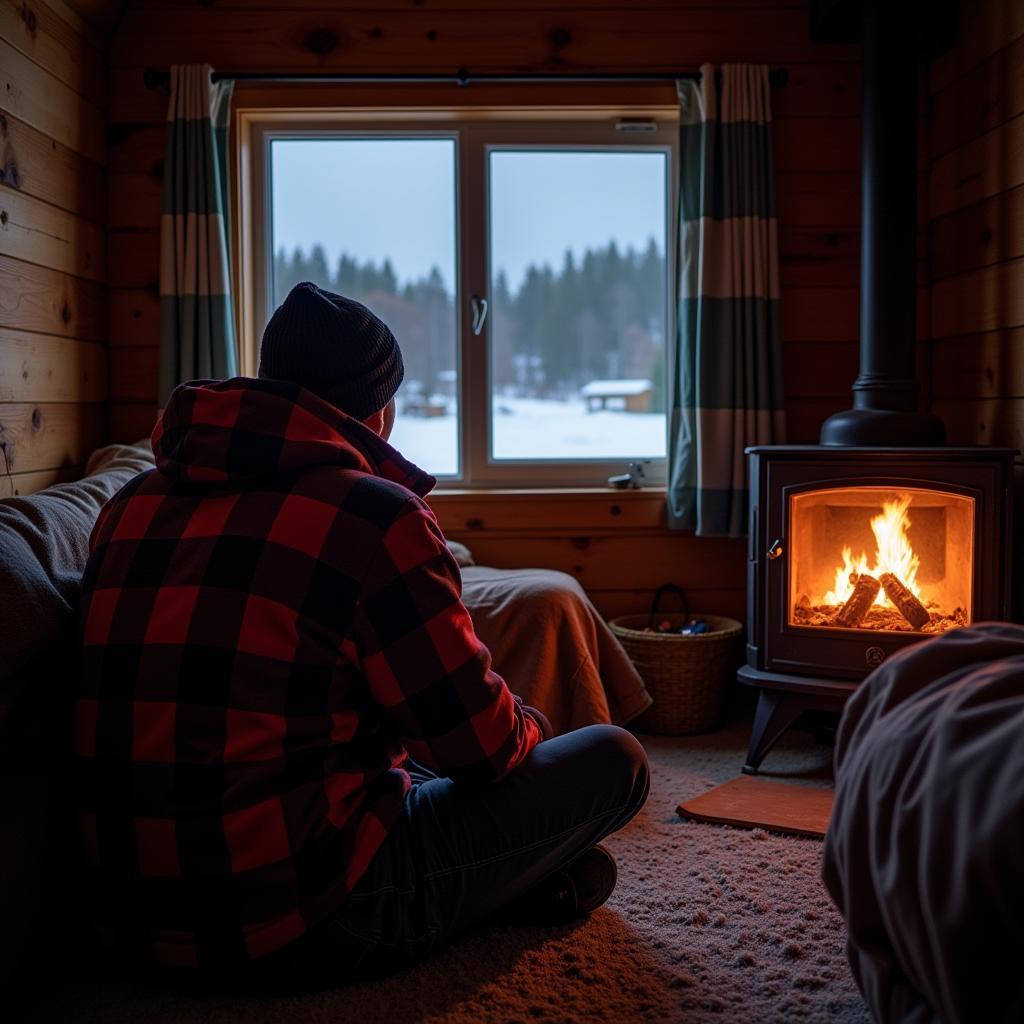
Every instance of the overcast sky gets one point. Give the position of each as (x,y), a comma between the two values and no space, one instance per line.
(396,198)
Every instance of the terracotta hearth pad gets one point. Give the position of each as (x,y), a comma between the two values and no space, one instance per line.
(746,802)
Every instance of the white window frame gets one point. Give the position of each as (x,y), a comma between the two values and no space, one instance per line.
(477,132)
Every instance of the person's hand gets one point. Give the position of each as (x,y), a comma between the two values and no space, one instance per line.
(546,732)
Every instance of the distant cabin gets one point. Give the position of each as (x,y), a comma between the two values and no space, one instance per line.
(620,395)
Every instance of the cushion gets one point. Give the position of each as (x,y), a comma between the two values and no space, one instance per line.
(923,854)
(461,554)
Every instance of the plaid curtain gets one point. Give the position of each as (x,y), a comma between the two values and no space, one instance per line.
(727,385)
(197,328)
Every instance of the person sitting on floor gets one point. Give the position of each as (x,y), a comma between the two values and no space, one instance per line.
(292,751)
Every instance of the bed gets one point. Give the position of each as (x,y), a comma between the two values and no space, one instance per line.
(552,647)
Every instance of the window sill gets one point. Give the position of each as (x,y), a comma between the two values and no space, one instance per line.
(563,512)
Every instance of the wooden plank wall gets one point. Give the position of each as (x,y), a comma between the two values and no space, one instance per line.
(976,251)
(976,146)
(53,305)
(817,142)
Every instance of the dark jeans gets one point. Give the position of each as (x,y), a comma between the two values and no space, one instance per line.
(457,855)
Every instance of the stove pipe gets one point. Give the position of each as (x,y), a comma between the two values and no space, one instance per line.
(885,392)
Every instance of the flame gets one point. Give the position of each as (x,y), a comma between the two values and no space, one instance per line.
(893,554)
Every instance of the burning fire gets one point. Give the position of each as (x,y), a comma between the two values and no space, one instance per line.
(880,591)
(893,555)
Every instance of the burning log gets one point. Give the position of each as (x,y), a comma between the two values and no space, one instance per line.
(909,607)
(859,602)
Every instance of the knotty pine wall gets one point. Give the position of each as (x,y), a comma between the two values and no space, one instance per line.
(615,544)
(976,267)
(976,209)
(53,303)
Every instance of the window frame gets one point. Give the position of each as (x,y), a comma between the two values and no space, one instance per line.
(477,131)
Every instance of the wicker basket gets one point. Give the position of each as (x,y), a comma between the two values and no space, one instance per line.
(687,676)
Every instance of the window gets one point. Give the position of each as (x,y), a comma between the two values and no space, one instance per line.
(523,266)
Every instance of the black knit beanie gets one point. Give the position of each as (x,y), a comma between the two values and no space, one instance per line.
(335,347)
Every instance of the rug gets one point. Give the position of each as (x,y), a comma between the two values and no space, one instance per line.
(744,802)
(708,923)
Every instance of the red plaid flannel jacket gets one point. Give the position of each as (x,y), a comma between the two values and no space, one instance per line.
(271,623)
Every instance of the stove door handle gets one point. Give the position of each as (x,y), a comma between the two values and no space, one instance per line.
(774,550)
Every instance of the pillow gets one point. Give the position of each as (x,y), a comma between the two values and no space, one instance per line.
(460,553)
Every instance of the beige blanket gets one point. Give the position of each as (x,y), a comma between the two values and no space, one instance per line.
(552,647)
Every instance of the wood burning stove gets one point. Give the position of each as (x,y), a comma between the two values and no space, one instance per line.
(881,536)
(856,552)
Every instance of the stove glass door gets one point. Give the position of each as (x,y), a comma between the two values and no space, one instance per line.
(879,559)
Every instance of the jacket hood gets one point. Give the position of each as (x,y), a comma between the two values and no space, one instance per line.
(245,428)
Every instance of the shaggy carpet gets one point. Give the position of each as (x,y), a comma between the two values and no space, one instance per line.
(708,923)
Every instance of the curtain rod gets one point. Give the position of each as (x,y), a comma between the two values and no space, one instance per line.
(155,79)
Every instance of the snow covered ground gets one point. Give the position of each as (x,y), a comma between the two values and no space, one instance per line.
(533,428)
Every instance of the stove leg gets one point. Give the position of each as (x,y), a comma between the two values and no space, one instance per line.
(776,712)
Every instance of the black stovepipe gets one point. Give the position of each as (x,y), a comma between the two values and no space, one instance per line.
(885,393)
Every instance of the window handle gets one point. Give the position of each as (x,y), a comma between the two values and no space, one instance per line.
(479,307)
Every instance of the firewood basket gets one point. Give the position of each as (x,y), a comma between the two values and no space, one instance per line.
(687,677)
